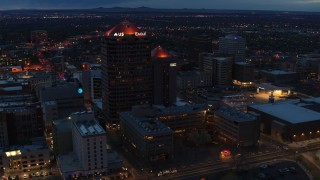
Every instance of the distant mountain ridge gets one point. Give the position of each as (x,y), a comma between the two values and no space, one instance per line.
(160,10)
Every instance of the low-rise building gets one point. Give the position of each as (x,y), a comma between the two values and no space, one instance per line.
(33,156)
(149,138)
(291,120)
(183,119)
(239,127)
(279,76)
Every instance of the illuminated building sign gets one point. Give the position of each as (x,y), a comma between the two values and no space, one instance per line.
(149,138)
(80,91)
(13,153)
(140,33)
(120,34)
(173,64)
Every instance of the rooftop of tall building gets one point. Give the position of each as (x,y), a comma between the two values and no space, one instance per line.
(125,28)
(159,52)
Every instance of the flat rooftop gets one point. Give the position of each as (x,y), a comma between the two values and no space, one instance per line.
(13,88)
(25,109)
(242,63)
(278,72)
(69,163)
(146,126)
(270,87)
(313,100)
(191,73)
(37,143)
(233,114)
(188,108)
(288,111)
(89,127)
(50,103)
(63,125)
(222,58)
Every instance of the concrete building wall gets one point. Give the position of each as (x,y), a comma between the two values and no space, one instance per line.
(243,72)
(150,146)
(90,149)
(165,81)
(244,133)
(50,113)
(194,79)
(4,141)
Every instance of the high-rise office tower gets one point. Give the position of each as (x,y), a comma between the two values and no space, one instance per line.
(164,77)
(20,122)
(222,70)
(126,70)
(206,62)
(233,44)
(91,82)
(219,65)
(243,73)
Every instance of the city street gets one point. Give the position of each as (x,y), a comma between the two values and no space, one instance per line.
(51,173)
(207,168)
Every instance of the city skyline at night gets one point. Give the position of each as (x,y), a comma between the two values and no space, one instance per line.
(276,5)
(167,89)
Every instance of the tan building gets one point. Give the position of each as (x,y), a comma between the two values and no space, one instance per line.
(26,157)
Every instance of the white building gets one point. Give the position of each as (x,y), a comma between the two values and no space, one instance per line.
(89,154)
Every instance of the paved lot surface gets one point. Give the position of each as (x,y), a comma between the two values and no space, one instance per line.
(260,173)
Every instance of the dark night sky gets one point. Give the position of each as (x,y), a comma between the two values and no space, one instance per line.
(294,5)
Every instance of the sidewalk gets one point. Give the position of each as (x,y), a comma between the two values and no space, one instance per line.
(304,143)
(309,157)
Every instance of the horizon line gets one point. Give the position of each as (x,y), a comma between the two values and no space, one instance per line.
(200,9)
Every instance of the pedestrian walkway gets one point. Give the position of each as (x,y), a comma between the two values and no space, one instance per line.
(304,143)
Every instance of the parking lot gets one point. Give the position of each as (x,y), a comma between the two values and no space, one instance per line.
(284,171)
(279,171)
